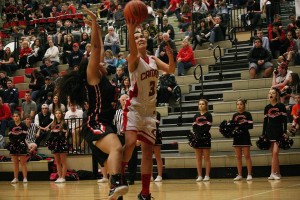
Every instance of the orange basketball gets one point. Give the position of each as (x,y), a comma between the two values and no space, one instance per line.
(135,11)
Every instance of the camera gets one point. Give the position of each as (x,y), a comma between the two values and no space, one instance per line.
(276,71)
(285,92)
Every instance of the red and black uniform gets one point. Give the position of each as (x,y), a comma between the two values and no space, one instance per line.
(244,123)
(57,142)
(201,128)
(17,136)
(275,121)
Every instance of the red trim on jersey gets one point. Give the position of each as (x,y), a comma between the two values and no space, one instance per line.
(146,60)
(134,92)
(143,139)
(125,115)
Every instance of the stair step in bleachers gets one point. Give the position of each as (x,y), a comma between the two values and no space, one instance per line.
(248,94)
(207,53)
(22,86)
(226,44)
(252,105)
(252,84)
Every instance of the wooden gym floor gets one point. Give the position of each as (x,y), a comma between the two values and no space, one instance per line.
(184,189)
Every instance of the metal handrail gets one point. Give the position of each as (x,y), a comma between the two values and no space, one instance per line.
(234,40)
(179,119)
(200,78)
(219,58)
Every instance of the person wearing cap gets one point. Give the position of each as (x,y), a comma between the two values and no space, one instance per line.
(112,41)
(75,57)
(43,120)
(281,79)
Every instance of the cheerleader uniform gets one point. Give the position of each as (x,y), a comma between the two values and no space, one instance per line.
(17,135)
(100,115)
(275,121)
(245,122)
(57,142)
(158,141)
(201,128)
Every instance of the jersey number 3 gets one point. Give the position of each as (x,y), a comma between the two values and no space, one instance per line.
(152,88)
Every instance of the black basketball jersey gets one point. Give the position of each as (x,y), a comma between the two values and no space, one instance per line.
(275,118)
(202,123)
(244,120)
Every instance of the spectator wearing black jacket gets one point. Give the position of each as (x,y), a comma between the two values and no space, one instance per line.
(42,95)
(253,14)
(162,53)
(166,83)
(168,28)
(259,58)
(11,96)
(75,57)
(36,83)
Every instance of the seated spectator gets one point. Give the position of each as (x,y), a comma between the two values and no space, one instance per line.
(218,31)
(259,58)
(109,59)
(120,61)
(125,85)
(281,79)
(86,29)
(111,9)
(43,120)
(25,51)
(253,14)
(291,47)
(88,49)
(112,41)
(149,42)
(5,116)
(48,68)
(118,77)
(67,48)
(168,28)
(84,41)
(202,34)
(74,119)
(162,53)
(8,64)
(152,29)
(292,25)
(119,17)
(199,10)
(75,57)
(166,83)
(36,83)
(185,58)
(276,39)
(52,53)
(2,51)
(210,4)
(186,17)
(174,7)
(56,105)
(297,54)
(265,40)
(3,81)
(28,106)
(76,30)
(54,12)
(42,95)
(296,115)
(11,96)
(37,53)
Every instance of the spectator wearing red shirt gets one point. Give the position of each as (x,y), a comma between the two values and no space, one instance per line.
(174,8)
(54,12)
(210,4)
(71,9)
(185,57)
(5,116)
(25,51)
(276,38)
(186,16)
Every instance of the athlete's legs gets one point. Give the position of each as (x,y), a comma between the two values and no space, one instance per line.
(238,154)
(206,153)
(198,153)
(246,151)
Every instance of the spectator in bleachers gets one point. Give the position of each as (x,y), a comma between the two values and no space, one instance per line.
(25,51)
(166,83)
(152,29)
(42,95)
(210,4)
(296,115)
(120,61)
(37,53)
(8,64)
(2,52)
(118,77)
(125,85)
(162,52)
(36,83)
(199,10)
(119,17)
(84,41)
(86,29)
(111,10)
(276,38)
(28,106)
(150,45)
(281,80)
(112,41)
(151,13)
(43,120)
(297,54)
(67,28)
(253,14)
(67,48)
(56,105)
(277,20)
(290,46)
(186,16)
(75,57)
(259,58)
(103,8)
(217,33)
(88,49)
(292,25)
(185,57)
(157,42)
(264,39)
(54,12)
(3,81)
(11,96)
(109,59)
(168,28)
(5,116)
(76,30)
(74,119)
(48,68)
(47,9)
(52,53)
(202,34)
(39,12)
(174,8)
(70,8)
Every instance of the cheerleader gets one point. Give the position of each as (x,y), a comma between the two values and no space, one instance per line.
(275,126)
(201,126)
(17,146)
(241,138)
(157,150)
(57,143)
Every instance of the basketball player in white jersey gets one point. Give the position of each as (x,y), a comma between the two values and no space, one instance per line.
(140,111)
